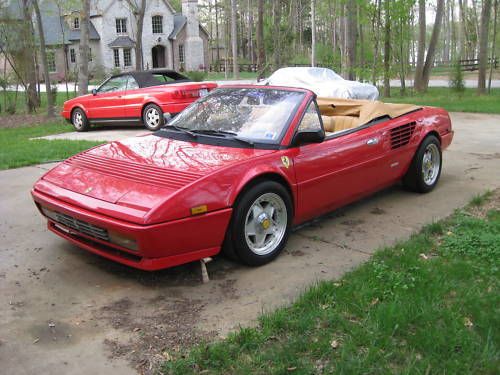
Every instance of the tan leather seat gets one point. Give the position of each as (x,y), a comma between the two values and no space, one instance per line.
(345,122)
(338,123)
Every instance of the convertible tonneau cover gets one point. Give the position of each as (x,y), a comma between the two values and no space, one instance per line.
(365,110)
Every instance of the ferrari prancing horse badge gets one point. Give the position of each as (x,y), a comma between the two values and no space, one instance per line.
(285,161)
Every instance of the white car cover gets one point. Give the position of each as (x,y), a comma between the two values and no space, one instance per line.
(323,82)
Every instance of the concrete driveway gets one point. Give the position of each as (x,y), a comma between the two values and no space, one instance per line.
(65,311)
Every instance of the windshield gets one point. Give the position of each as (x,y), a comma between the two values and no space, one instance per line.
(254,114)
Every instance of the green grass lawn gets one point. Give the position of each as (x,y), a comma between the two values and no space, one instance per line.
(443,97)
(17,150)
(429,305)
(21,101)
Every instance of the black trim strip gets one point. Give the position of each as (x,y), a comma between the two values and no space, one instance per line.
(115,120)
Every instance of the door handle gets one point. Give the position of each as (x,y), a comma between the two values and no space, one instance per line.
(372,141)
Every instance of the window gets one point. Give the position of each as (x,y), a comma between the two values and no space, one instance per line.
(114,84)
(157,22)
(51,61)
(132,83)
(72,55)
(121,25)
(310,121)
(90,54)
(116,56)
(181,53)
(127,57)
(76,23)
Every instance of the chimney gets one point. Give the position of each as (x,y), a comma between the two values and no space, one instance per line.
(193,46)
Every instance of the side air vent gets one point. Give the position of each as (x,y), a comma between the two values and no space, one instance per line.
(401,135)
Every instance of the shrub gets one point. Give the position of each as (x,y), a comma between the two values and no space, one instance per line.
(457,82)
(197,76)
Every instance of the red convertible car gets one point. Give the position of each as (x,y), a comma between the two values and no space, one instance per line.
(235,171)
(135,98)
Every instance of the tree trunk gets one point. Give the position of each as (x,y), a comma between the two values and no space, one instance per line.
(493,45)
(351,39)
(429,60)
(83,74)
(234,40)
(387,50)
(418,83)
(261,55)
(313,32)
(483,46)
(43,53)
(29,59)
(276,36)
(139,61)
(250,32)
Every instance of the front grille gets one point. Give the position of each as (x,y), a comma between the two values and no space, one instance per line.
(82,226)
(400,136)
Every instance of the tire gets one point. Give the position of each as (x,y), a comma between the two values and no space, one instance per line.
(423,174)
(260,225)
(79,120)
(152,117)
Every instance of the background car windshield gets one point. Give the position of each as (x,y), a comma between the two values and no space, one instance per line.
(260,115)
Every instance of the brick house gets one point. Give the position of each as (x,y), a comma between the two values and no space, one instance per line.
(170,39)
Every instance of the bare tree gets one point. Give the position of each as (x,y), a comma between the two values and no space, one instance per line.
(351,37)
(387,49)
(261,55)
(138,8)
(313,32)
(422,79)
(250,32)
(493,45)
(28,58)
(483,46)
(43,53)
(83,74)
(234,40)
(421,46)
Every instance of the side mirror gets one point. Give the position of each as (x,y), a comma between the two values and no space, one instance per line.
(308,136)
(167,117)
(94,92)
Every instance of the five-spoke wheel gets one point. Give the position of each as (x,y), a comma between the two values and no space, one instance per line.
(425,169)
(152,117)
(260,225)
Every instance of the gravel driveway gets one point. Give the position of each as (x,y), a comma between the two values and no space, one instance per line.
(64,310)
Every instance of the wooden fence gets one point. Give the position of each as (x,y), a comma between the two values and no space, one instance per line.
(466,65)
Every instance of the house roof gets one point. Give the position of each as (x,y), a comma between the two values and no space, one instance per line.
(55,27)
(122,41)
(180,21)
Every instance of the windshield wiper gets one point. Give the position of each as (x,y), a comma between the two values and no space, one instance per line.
(182,130)
(223,133)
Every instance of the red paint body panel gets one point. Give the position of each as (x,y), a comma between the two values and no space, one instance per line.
(145,187)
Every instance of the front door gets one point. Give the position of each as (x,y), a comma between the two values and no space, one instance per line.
(158,53)
(108,102)
(337,171)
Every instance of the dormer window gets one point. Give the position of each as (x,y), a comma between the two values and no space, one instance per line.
(121,25)
(157,22)
(76,23)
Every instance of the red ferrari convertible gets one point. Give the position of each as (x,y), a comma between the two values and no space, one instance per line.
(135,98)
(235,171)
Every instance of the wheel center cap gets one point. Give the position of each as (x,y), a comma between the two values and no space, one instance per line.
(264,221)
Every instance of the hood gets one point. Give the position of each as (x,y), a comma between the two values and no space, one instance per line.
(143,171)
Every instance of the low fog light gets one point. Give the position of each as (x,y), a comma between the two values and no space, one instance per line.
(122,240)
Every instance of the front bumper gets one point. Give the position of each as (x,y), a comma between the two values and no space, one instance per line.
(158,246)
